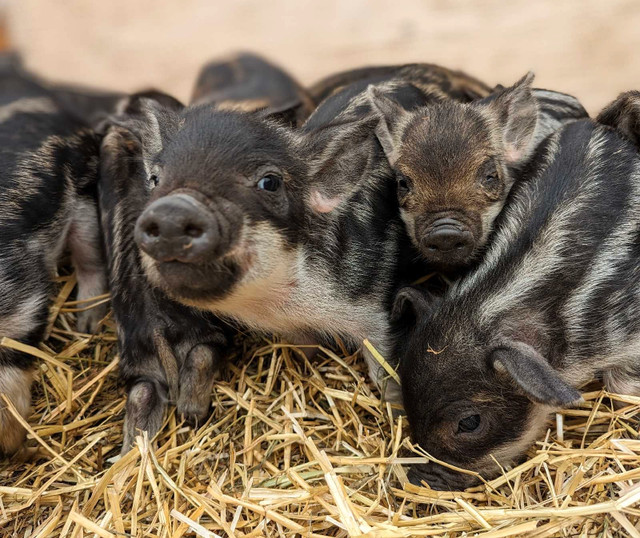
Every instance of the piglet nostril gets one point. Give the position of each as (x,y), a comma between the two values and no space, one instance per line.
(193,230)
(447,241)
(152,230)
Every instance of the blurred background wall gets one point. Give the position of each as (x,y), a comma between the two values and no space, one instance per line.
(586,47)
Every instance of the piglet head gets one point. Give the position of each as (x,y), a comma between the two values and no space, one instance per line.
(223,208)
(453,164)
(474,402)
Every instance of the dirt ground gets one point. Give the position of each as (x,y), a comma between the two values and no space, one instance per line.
(585,47)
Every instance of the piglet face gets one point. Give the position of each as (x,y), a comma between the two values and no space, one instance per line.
(223,209)
(461,414)
(475,401)
(453,165)
(451,184)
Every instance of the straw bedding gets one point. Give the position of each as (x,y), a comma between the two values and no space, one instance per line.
(293,447)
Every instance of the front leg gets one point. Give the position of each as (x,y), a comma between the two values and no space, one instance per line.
(197,374)
(146,403)
(171,357)
(83,240)
(142,372)
(388,386)
(199,341)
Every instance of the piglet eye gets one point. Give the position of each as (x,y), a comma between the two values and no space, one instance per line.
(403,186)
(491,180)
(469,424)
(270,182)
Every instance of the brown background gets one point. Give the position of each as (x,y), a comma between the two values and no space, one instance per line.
(590,48)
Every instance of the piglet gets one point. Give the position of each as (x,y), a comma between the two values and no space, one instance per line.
(171,348)
(430,79)
(49,165)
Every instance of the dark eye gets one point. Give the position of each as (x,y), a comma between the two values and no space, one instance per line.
(469,424)
(491,180)
(154,180)
(403,186)
(270,182)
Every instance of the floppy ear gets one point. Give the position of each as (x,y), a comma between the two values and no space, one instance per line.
(535,376)
(391,118)
(334,152)
(517,114)
(624,116)
(412,304)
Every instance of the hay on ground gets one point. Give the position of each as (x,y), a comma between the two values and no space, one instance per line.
(292,447)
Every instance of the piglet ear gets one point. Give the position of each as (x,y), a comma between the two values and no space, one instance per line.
(142,125)
(517,112)
(624,116)
(146,114)
(390,121)
(289,114)
(411,305)
(535,376)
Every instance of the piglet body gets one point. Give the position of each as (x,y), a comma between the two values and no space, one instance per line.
(47,204)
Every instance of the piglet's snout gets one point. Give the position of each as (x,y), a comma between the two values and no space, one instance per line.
(178,227)
(449,237)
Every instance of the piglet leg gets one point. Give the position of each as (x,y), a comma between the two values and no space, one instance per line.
(15,385)
(86,254)
(197,375)
(146,403)
(390,389)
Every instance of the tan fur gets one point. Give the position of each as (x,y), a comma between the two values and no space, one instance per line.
(249,105)
(15,384)
(508,453)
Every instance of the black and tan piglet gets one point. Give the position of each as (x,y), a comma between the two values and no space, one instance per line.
(48,176)
(171,351)
(455,162)
(207,213)
(553,305)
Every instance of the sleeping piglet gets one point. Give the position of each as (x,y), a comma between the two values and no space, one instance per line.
(553,305)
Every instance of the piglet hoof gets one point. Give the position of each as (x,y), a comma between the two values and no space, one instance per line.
(88,320)
(144,411)
(15,384)
(197,375)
